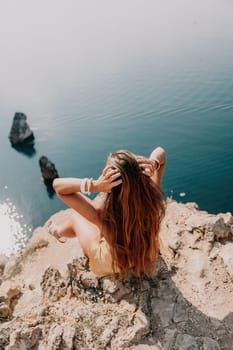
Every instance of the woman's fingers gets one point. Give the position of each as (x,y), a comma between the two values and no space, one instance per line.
(109,170)
(116,183)
(106,169)
(147,172)
(111,173)
(147,166)
(53,231)
(146,162)
(110,178)
(147,169)
(115,176)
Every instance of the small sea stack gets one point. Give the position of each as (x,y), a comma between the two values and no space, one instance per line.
(48,169)
(20,133)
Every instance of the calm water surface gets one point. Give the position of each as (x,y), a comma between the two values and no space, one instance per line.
(93,78)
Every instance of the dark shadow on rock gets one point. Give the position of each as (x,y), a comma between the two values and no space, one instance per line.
(174,322)
(160,314)
(26,147)
(49,173)
(49,188)
(136,313)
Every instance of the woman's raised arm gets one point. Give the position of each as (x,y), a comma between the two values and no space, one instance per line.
(154,166)
(68,190)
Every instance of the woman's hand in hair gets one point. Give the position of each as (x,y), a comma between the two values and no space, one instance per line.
(147,165)
(109,178)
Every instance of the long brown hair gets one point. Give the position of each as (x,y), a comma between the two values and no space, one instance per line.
(132,215)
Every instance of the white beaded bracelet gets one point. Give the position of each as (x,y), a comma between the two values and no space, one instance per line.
(89,185)
(83,185)
(86,182)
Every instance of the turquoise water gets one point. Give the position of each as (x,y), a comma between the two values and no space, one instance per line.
(132,75)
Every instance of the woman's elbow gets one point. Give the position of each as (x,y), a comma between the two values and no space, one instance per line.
(61,187)
(162,155)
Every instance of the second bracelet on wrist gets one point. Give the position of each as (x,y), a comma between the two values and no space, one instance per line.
(86,185)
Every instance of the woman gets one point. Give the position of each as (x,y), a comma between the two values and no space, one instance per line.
(119,233)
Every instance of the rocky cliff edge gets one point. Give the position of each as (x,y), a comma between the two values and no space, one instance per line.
(49,299)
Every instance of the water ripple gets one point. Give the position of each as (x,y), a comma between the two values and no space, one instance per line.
(13,232)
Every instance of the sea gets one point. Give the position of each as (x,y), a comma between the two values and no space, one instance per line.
(97,76)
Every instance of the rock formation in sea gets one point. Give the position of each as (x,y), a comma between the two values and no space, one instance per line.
(48,169)
(49,298)
(20,133)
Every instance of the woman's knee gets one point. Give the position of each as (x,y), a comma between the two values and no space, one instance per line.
(84,229)
(74,222)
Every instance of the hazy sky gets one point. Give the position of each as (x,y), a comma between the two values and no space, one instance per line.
(48,47)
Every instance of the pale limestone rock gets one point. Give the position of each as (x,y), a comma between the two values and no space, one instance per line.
(197,263)
(226,253)
(89,280)
(150,311)
(24,339)
(227,217)
(109,286)
(214,253)
(68,337)
(12,267)
(110,329)
(3,341)
(3,261)
(88,336)
(127,307)
(5,311)
(192,205)
(133,333)
(172,239)
(12,293)
(193,239)
(122,291)
(52,284)
(140,327)
(28,300)
(55,338)
(3,299)
(217,228)
(12,296)
(197,220)
(100,321)
(31,286)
